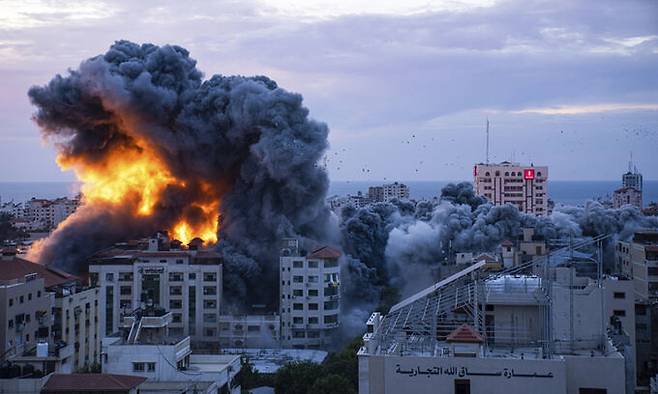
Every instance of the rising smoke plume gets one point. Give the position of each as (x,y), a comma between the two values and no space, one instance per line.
(159,148)
(408,248)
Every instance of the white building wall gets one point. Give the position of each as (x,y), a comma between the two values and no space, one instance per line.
(511,183)
(308,283)
(207,305)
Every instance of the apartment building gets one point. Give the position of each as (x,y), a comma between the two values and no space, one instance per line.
(46,214)
(51,318)
(526,187)
(76,322)
(309,295)
(638,259)
(155,272)
(626,196)
(249,331)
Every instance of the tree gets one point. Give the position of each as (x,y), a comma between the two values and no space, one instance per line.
(331,384)
(345,363)
(297,377)
(8,232)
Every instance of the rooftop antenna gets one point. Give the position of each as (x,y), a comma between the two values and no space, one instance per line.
(487,156)
(630,163)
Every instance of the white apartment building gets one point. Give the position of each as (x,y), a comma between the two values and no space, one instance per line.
(638,259)
(186,282)
(309,295)
(47,214)
(249,331)
(512,183)
(145,346)
(50,319)
(627,196)
(395,190)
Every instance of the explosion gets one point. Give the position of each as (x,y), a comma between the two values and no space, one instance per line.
(232,160)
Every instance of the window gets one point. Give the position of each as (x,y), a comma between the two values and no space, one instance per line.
(312,292)
(330,263)
(299,334)
(125,276)
(312,307)
(640,309)
(175,290)
(175,304)
(191,276)
(313,279)
(11,323)
(177,318)
(298,307)
(29,296)
(11,302)
(125,304)
(210,276)
(210,318)
(298,279)
(209,304)
(175,277)
(313,320)
(209,332)
(298,264)
(179,261)
(253,328)
(620,313)
(619,294)
(39,294)
(312,264)
(209,290)
(328,305)
(298,293)
(653,271)
(330,291)
(329,319)
(313,334)
(109,277)
(125,290)
(138,367)
(297,320)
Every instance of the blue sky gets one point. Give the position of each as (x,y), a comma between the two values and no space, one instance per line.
(405,88)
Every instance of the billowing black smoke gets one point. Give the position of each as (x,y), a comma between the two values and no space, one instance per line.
(250,140)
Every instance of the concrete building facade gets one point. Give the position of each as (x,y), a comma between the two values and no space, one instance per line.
(309,295)
(525,187)
(187,282)
(627,196)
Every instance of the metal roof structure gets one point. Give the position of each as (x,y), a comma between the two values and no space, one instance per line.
(418,323)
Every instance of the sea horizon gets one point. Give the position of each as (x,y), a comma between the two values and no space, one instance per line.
(570,192)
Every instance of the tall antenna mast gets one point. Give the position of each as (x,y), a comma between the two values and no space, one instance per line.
(487,156)
(630,163)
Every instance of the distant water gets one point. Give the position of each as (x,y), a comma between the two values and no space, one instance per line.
(562,192)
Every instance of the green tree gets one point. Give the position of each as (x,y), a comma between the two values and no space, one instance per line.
(7,230)
(332,384)
(345,363)
(297,377)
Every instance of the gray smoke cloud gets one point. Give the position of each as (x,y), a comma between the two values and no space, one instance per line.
(251,141)
(411,248)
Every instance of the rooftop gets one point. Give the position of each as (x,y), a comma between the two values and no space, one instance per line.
(91,382)
(465,333)
(325,252)
(12,267)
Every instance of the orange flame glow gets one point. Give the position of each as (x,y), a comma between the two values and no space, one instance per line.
(138,176)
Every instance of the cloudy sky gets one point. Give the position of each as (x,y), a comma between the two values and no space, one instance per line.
(405,86)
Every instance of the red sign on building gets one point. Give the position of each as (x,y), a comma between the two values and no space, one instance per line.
(529,173)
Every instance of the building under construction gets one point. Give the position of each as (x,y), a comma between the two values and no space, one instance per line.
(546,326)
